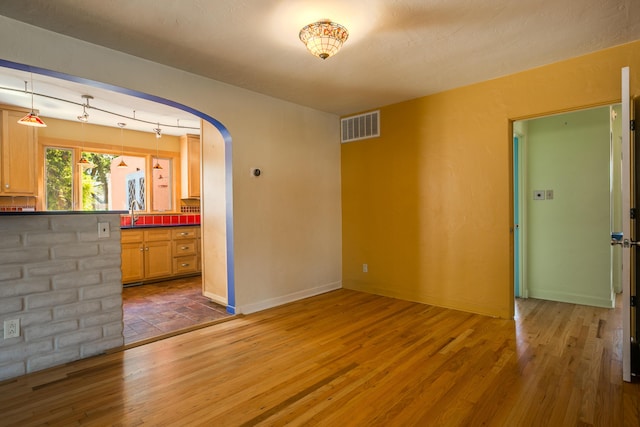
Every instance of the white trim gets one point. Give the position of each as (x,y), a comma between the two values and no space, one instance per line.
(572,298)
(216,298)
(284,299)
(626,228)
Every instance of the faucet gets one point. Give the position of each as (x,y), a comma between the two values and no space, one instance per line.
(132,211)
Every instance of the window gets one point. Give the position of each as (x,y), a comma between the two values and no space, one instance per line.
(100,185)
(96,182)
(162,200)
(58,179)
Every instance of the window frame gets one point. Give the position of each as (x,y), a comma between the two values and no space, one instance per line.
(148,155)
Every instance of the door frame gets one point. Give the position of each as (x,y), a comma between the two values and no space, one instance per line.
(519,213)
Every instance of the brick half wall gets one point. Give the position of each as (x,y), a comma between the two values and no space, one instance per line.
(64,285)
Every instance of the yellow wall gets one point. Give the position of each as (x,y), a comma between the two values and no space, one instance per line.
(428,205)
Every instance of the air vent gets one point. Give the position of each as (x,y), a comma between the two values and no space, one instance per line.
(362,126)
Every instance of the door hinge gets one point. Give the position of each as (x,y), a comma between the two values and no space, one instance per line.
(632,125)
(632,213)
(632,301)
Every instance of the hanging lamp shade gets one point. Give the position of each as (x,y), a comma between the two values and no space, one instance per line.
(122,163)
(85,163)
(32,119)
(324,38)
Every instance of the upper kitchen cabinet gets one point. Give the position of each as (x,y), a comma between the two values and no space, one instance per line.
(17,155)
(190,166)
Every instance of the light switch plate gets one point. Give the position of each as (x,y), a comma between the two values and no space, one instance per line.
(549,194)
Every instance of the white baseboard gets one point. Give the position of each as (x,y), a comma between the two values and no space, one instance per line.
(572,298)
(284,299)
(216,298)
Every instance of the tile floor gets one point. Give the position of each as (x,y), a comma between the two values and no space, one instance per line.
(159,308)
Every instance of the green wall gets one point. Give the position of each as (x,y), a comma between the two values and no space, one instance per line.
(568,251)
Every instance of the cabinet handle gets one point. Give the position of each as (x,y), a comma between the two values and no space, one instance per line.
(184,233)
(146,249)
(184,248)
(6,186)
(141,249)
(184,265)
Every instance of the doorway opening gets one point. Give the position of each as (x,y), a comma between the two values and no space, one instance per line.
(215,235)
(567,202)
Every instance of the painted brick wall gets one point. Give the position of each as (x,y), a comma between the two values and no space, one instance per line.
(64,284)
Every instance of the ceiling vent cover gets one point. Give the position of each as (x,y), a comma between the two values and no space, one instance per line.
(362,126)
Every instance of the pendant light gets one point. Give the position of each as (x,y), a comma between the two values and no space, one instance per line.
(158,132)
(32,118)
(83,162)
(122,164)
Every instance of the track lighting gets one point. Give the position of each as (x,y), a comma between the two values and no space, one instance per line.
(84,117)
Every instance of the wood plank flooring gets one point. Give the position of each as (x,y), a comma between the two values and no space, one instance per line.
(349,358)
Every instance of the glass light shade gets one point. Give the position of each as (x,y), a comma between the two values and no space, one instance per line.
(86,164)
(32,119)
(324,38)
(157,165)
(122,164)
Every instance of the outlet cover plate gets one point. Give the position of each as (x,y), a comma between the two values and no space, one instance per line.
(11,328)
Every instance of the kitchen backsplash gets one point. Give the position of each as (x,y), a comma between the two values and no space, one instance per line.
(17,204)
(125,220)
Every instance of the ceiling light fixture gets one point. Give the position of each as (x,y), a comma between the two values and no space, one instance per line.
(84,117)
(324,38)
(122,163)
(32,118)
(83,162)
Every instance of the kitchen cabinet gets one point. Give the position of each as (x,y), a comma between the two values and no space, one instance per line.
(159,253)
(185,250)
(146,254)
(190,166)
(17,155)
(132,255)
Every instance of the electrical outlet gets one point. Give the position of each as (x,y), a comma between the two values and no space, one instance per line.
(11,328)
(103,230)
(365,268)
(538,194)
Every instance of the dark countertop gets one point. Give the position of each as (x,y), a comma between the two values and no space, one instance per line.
(42,213)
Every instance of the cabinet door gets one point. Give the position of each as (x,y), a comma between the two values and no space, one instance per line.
(132,262)
(157,262)
(18,155)
(190,166)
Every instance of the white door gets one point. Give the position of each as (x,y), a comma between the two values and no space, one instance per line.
(628,245)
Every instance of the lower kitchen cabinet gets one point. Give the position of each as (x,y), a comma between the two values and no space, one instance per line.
(158,253)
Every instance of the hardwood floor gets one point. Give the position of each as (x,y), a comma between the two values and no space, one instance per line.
(155,309)
(349,358)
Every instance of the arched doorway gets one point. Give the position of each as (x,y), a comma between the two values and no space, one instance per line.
(220,185)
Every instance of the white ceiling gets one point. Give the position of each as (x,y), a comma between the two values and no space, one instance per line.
(107,108)
(397,49)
